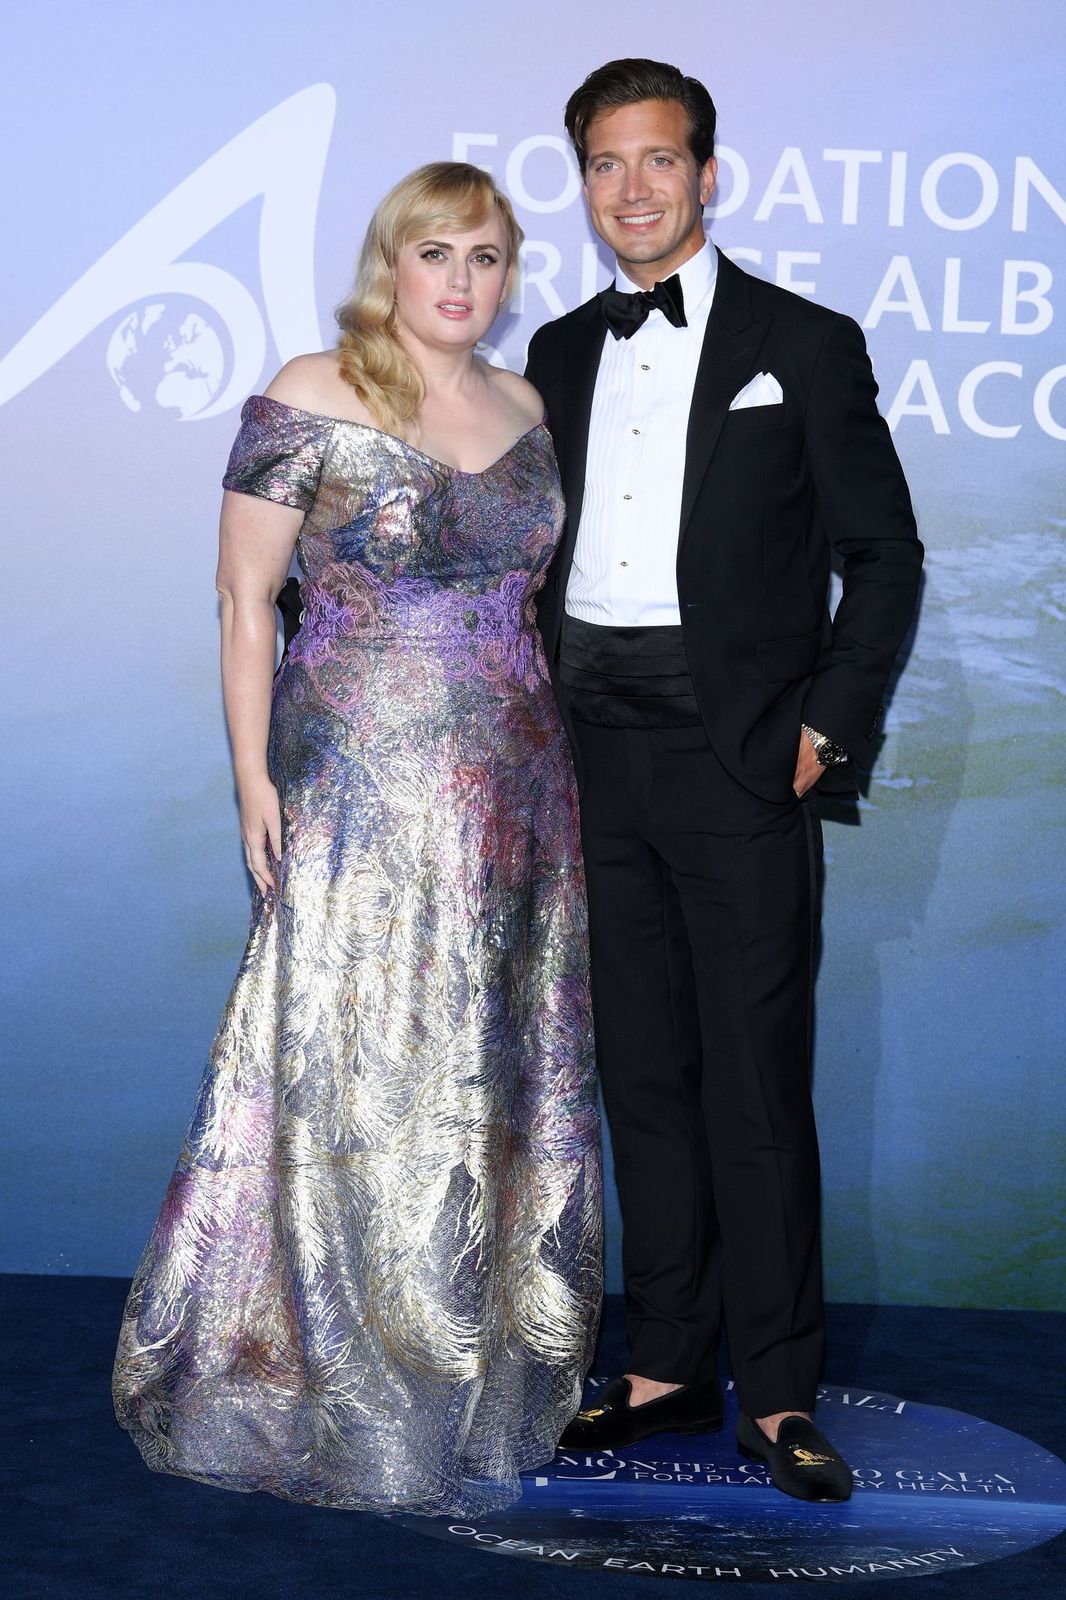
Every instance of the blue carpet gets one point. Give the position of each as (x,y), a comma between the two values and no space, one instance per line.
(86,1521)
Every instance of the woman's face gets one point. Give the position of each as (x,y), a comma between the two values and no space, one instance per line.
(449,285)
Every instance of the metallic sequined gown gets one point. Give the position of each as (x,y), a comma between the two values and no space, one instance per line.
(375,1278)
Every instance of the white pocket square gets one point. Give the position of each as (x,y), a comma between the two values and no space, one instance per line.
(763,390)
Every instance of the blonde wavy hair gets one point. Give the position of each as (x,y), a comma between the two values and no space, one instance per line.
(440,197)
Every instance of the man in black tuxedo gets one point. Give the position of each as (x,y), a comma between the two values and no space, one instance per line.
(718,440)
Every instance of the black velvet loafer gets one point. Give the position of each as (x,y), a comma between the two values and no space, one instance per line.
(802,1462)
(610,1421)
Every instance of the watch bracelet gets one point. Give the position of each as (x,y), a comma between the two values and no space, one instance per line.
(828,753)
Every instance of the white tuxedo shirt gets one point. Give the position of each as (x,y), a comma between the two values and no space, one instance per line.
(625,557)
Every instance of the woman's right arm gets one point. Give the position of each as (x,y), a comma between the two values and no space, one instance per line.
(256,541)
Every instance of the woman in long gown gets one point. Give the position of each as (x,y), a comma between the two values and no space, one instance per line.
(375,1277)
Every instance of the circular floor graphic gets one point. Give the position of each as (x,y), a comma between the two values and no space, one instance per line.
(934,1490)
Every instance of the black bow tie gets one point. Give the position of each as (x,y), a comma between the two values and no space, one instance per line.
(625,313)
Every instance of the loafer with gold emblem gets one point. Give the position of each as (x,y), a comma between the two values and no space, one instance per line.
(802,1462)
(611,1422)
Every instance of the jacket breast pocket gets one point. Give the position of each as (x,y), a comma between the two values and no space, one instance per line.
(750,418)
(783,660)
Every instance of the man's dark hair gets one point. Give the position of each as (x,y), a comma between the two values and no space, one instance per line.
(624,83)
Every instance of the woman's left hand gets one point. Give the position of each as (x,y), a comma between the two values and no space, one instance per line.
(261,831)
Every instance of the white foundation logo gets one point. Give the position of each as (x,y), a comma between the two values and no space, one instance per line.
(191,338)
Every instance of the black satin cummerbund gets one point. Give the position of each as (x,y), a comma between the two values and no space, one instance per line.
(626,677)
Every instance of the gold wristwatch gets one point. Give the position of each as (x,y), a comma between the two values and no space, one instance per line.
(828,753)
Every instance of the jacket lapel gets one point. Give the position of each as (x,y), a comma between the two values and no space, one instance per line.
(581,364)
(730,347)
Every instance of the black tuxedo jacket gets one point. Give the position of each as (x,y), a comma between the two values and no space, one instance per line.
(770,492)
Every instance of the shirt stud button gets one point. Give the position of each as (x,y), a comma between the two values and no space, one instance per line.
(627,497)
(623,563)
(636,430)
(644,367)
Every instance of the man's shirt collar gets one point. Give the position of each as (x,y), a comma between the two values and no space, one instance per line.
(698,275)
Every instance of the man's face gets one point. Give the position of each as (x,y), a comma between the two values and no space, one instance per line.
(644,190)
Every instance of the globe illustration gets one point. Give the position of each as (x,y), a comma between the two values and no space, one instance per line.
(167,356)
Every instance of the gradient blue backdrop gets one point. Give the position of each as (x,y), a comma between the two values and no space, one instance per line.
(147,292)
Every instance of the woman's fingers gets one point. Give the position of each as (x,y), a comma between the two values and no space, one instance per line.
(259,862)
(261,832)
(273,828)
(259,867)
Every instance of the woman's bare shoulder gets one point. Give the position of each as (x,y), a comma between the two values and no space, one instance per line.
(518,392)
(314,383)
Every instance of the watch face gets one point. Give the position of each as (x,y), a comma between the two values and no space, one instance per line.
(832,755)
(828,753)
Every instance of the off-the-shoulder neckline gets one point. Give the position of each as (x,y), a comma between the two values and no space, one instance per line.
(368,427)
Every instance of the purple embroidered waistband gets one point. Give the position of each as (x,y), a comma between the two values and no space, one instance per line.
(491,634)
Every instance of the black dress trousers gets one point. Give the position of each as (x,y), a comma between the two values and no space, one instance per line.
(703,910)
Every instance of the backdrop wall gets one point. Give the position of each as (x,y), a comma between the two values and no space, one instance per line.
(184,198)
